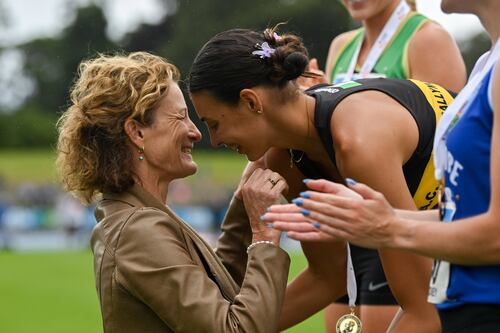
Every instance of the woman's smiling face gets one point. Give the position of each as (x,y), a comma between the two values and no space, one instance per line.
(235,126)
(169,141)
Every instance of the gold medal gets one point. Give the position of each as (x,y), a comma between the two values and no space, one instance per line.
(349,323)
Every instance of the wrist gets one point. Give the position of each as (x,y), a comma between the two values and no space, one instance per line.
(257,243)
(267,235)
(400,233)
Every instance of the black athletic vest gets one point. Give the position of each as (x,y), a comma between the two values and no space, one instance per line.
(425,102)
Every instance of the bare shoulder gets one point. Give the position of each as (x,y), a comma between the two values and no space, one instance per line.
(434,56)
(339,42)
(371,122)
(430,32)
(343,38)
(336,46)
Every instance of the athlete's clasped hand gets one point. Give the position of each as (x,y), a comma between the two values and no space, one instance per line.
(330,211)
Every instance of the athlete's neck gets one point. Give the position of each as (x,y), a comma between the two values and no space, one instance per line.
(492,26)
(374,25)
(294,126)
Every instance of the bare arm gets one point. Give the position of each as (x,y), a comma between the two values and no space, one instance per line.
(373,222)
(379,163)
(433,56)
(323,280)
(469,241)
(421,215)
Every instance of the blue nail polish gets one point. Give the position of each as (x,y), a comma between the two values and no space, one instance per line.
(350,181)
(270,225)
(307,180)
(262,218)
(305,195)
(305,212)
(298,202)
(317,225)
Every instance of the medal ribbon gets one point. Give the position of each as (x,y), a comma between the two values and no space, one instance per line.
(390,28)
(454,111)
(352,290)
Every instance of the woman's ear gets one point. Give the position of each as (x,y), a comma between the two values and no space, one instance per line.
(134,131)
(251,100)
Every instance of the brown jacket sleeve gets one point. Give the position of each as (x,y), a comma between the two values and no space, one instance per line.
(153,263)
(235,237)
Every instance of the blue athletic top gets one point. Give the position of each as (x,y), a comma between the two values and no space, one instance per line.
(468,190)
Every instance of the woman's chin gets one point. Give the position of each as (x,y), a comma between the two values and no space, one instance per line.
(254,156)
(189,170)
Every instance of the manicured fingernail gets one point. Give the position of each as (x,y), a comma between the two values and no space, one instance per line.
(307,180)
(262,218)
(305,195)
(350,181)
(298,202)
(317,225)
(268,210)
(305,212)
(270,225)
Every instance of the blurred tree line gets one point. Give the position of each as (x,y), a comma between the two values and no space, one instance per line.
(50,64)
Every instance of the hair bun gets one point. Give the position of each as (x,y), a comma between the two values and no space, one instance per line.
(294,65)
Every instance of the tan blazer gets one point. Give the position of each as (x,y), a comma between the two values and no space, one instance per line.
(154,273)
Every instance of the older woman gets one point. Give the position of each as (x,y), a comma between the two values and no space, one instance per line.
(125,137)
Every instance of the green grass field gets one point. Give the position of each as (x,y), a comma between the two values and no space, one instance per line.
(55,293)
(37,166)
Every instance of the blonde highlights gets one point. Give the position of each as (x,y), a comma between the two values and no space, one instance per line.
(93,154)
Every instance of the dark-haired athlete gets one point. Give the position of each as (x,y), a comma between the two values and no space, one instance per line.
(378,131)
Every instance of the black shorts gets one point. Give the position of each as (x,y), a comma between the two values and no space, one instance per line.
(370,279)
(471,318)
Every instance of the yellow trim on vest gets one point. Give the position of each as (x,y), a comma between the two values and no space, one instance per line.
(426,196)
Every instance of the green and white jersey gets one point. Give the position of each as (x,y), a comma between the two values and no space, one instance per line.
(392,63)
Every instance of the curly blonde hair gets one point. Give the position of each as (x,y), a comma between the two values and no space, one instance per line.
(93,155)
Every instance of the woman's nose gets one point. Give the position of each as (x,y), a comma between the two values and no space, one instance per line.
(194,132)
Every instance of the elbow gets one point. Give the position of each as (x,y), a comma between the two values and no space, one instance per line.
(492,257)
(492,251)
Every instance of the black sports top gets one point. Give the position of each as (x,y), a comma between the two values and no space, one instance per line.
(425,102)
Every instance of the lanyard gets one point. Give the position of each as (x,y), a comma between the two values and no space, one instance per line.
(352,290)
(383,39)
(456,109)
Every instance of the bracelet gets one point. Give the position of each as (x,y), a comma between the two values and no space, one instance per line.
(257,243)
